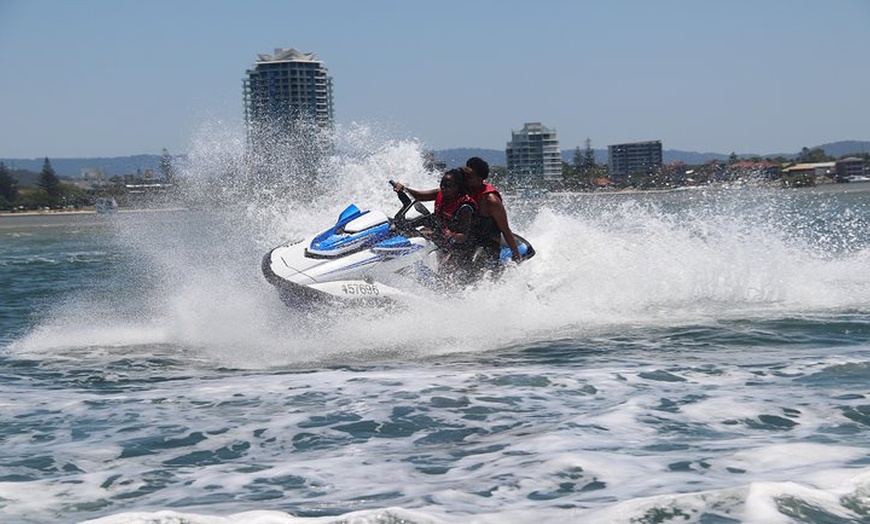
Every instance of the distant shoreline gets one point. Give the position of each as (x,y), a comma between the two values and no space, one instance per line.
(47,213)
(13,219)
(83,212)
(25,220)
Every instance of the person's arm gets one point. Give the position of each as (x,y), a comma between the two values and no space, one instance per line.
(460,234)
(424,195)
(496,210)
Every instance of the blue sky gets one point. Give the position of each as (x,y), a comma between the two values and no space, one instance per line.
(119,77)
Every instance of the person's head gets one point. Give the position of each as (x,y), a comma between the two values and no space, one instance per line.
(478,166)
(478,170)
(453,183)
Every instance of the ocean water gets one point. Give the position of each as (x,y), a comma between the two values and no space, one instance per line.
(698,356)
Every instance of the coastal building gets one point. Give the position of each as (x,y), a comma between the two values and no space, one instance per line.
(751,169)
(534,151)
(636,158)
(809,173)
(285,88)
(850,168)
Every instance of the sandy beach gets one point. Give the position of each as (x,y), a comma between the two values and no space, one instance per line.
(46,219)
(30,220)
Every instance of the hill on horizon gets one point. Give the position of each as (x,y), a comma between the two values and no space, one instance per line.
(72,167)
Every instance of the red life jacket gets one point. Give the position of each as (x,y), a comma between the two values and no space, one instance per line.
(484,230)
(445,211)
(484,190)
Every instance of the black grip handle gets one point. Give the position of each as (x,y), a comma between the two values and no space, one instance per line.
(406,200)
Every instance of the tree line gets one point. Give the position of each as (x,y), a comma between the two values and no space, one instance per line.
(53,193)
(584,174)
(50,192)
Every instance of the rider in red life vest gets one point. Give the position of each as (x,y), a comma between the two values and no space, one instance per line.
(492,221)
(454,217)
(454,209)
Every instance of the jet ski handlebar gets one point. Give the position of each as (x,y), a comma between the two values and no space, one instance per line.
(425,218)
(406,200)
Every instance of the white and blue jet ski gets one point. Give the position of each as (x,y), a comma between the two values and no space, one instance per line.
(364,257)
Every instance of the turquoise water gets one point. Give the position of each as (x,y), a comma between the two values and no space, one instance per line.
(695,356)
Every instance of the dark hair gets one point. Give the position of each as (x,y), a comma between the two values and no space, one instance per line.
(458,175)
(479,166)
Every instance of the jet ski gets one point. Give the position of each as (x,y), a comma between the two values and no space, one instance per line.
(365,257)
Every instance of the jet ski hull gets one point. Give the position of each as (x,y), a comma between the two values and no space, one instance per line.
(365,258)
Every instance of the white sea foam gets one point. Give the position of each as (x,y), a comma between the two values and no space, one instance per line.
(547,429)
(670,383)
(605,263)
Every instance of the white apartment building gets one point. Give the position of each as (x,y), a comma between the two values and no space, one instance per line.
(534,151)
(285,86)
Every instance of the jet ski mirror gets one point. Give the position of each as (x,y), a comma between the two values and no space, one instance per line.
(421,208)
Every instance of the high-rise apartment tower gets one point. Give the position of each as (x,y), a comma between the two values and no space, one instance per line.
(284,88)
(636,158)
(534,151)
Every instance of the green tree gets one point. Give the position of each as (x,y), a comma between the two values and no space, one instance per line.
(8,187)
(33,198)
(48,180)
(571,172)
(812,155)
(588,156)
(73,195)
(577,162)
(167,170)
(583,170)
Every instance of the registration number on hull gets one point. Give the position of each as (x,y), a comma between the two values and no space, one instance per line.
(360,289)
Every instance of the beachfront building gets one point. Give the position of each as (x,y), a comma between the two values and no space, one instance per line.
(288,116)
(285,88)
(851,168)
(287,85)
(809,173)
(640,159)
(534,152)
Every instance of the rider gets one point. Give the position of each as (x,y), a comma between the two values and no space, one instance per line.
(454,209)
(491,223)
(454,217)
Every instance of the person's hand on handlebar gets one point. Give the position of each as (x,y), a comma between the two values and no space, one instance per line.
(416,194)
